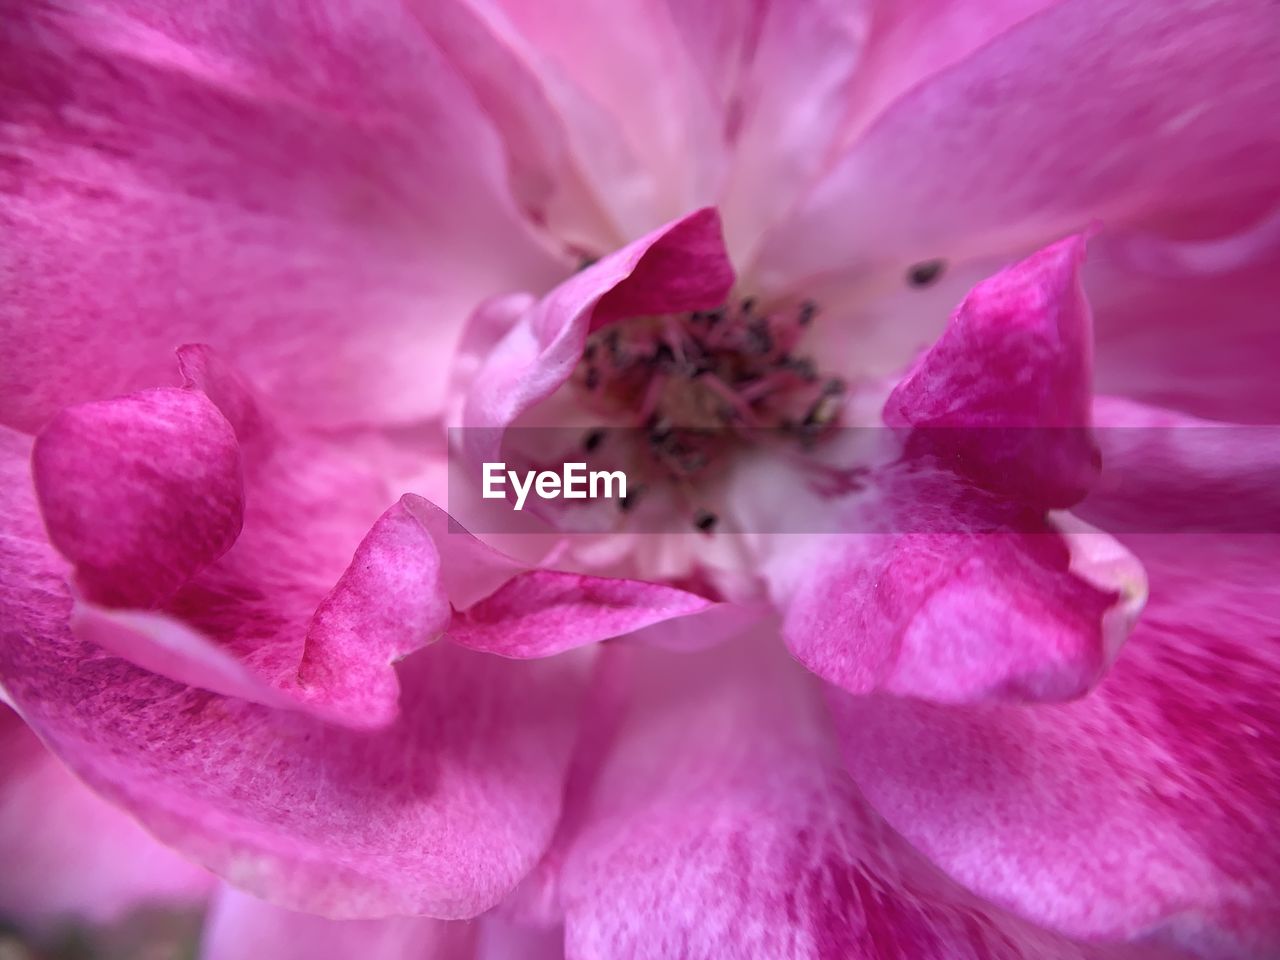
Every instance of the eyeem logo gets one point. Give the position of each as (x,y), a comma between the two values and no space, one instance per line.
(574,483)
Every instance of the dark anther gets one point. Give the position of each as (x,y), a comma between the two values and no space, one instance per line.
(589,352)
(924,273)
(587,262)
(833,386)
(629,501)
(705,520)
(593,440)
(664,357)
(715,316)
(802,368)
(759,340)
(659,429)
(593,378)
(808,310)
(748,304)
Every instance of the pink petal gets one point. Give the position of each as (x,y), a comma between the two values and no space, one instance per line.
(681,266)
(722,825)
(136,483)
(241,926)
(316,194)
(1145,808)
(441,812)
(70,856)
(988,606)
(140,493)
(995,154)
(545,612)
(1005,393)
(1200,341)
(783,74)
(637,122)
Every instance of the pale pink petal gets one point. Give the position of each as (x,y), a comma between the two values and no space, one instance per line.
(240,926)
(140,493)
(783,73)
(545,612)
(314,192)
(681,266)
(69,855)
(637,122)
(1200,341)
(1147,807)
(996,154)
(534,115)
(721,824)
(1004,395)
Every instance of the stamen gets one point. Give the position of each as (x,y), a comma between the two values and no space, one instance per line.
(700,384)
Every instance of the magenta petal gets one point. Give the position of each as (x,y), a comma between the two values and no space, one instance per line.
(140,493)
(721,824)
(389,602)
(681,266)
(70,856)
(440,813)
(1005,393)
(545,612)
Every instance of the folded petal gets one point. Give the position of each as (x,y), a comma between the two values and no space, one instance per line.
(319,195)
(545,612)
(69,855)
(722,785)
(681,266)
(1005,394)
(140,493)
(1144,808)
(994,154)
(947,596)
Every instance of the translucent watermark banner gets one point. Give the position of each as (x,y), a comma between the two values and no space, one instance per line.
(664,479)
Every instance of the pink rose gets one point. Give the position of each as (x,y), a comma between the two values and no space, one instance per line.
(955,639)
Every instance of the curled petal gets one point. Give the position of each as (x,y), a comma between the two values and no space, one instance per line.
(140,493)
(1005,393)
(681,266)
(1144,808)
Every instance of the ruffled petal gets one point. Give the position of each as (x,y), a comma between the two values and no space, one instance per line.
(1005,393)
(69,855)
(317,194)
(1146,807)
(994,154)
(681,266)
(545,612)
(722,825)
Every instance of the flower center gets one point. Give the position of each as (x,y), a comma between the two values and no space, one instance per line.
(692,387)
